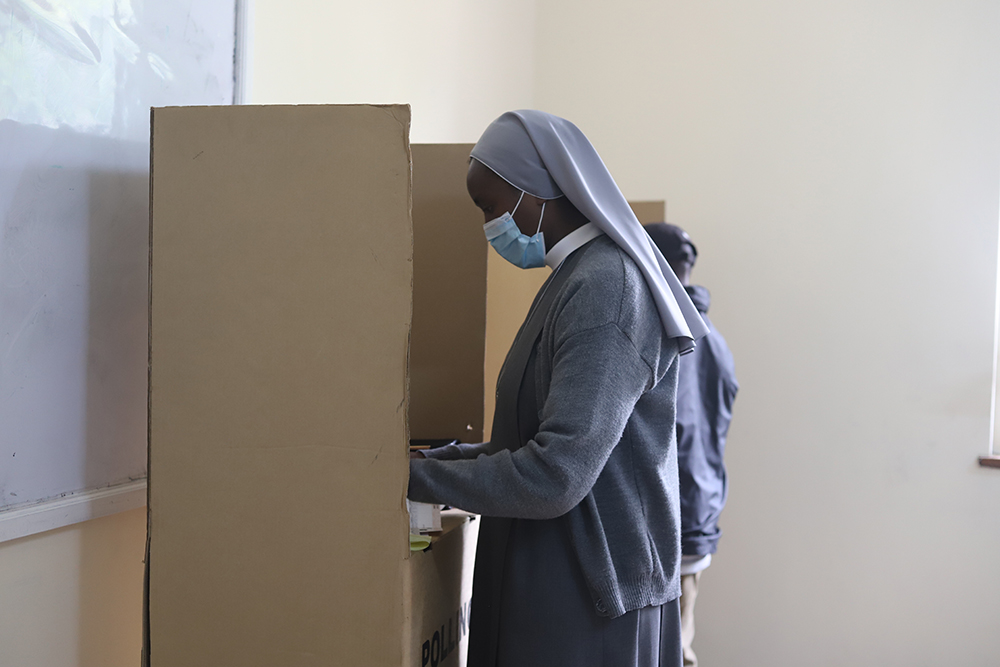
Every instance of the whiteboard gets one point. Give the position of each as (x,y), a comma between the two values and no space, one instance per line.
(77,80)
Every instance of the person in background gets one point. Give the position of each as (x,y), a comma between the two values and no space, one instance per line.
(706,389)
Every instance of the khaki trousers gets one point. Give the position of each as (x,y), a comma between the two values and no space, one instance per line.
(689,593)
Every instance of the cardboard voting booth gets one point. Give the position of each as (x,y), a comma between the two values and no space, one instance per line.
(321,293)
(312,309)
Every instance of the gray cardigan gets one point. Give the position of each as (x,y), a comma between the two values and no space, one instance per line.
(605,455)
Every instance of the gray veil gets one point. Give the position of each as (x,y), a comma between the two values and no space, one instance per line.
(548,157)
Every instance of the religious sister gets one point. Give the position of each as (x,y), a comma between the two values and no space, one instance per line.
(579,550)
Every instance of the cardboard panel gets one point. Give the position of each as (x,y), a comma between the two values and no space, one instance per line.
(449,298)
(281,299)
(649,211)
(439,595)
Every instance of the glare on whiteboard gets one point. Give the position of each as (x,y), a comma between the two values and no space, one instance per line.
(98,65)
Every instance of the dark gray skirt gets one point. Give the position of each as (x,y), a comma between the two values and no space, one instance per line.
(547,617)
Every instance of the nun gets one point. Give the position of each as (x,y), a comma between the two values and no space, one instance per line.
(578,563)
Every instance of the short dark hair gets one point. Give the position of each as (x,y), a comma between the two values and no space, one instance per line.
(671,240)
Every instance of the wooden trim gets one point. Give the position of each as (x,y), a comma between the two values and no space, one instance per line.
(989,461)
(71,508)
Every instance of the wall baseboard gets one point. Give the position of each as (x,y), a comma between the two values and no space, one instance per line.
(71,508)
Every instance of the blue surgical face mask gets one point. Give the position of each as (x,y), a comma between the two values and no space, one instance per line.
(526,252)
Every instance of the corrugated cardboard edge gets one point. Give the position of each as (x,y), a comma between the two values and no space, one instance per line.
(149,401)
(407,631)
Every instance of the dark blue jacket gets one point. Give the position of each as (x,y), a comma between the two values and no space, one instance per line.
(706,389)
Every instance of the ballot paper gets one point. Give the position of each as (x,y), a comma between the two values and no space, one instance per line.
(424,518)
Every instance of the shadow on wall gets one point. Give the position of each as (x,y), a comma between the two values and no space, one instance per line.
(73,352)
(117,331)
(73,278)
(110,621)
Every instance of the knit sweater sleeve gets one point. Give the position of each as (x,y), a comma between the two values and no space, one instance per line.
(457,451)
(597,378)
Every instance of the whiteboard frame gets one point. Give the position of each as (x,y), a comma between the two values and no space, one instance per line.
(243,57)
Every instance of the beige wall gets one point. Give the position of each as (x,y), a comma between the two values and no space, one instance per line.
(73,596)
(837,164)
(458,64)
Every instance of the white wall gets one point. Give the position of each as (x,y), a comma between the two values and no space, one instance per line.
(458,64)
(837,164)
